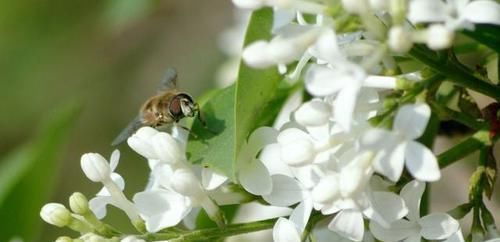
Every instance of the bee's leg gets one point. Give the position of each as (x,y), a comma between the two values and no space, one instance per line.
(202,120)
(187,129)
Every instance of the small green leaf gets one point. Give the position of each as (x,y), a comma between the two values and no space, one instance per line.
(27,177)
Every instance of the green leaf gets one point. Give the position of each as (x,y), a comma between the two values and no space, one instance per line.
(214,146)
(256,88)
(233,113)
(28,174)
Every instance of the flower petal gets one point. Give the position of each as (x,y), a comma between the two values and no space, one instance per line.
(167,148)
(313,113)
(212,179)
(377,139)
(387,207)
(412,119)
(320,81)
(421,162)
(114,159)
(397,231)
(255,178)
(271,158)
(261,137)
(161,208)
(437,226)
(255,55)
(482,11)
(296,146)
(458,237)
(344,106)
(301,214)
(286,191)
(285,231)
(98,205)
(412,193)
(349,224)
(390,163)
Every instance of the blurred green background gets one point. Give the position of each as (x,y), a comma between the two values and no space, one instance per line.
(107,56)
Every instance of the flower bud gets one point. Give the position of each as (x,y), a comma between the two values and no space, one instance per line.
(439,37)
(296,148)
(78,203)
(255,55)
(313,113)
(167,149)
(186,183)
(140,142)
(95,167)
(55,214)
(400,39)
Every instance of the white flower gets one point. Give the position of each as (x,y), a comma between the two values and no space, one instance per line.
(252,174)
(103,197)
(455,14)
(397,146)
(97,169)
(435,226)
(346,193)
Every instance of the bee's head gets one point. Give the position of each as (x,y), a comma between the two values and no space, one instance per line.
(182,105)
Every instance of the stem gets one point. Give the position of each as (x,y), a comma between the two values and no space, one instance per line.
(445,113)
(214,233)
(315,218)
(455,72)
(479,139)
(485,34)
(428,139)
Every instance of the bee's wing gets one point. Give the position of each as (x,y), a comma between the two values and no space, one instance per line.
(169,81)
(133,126)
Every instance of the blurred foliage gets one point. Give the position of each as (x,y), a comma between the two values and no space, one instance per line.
(111,55)
(28,175)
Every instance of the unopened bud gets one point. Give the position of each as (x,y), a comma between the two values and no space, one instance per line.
(313,113)
(95,167)
(439,37)
(400,39)
(55,214)
(78,203)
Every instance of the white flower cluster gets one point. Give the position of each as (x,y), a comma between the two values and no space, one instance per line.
(174,189)
(328,157)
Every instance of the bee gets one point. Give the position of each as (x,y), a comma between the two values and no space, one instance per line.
(167,107)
